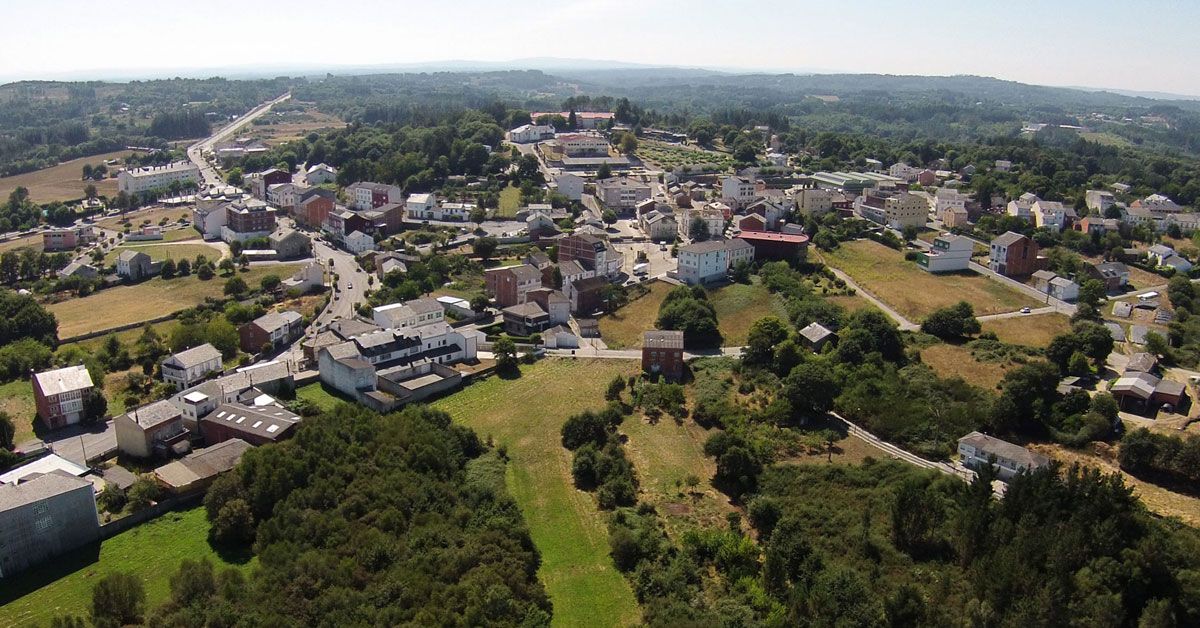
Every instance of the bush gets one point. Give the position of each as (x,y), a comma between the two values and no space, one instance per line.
(118,599)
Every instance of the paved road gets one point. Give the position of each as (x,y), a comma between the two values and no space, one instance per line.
(196,152)
(97,441)
(1041,310)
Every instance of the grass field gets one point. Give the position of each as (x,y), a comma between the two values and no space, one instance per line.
(16,399)
(915,293)
(739,305)
(63,182)
(1032,331)
(851,303)
(32,242)
(291,127)
(152,552)
(565,523)
(510,202)
(623,329)
(151,216)
(147,300)
(159,251)
(181,234)
(956,361)
(325,399)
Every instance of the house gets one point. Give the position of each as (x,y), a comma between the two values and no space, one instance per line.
(1114,275)
(61,395)
(1165,256)
(1013,255)
(926,177)
(284,195)
(772,211)
(420,206)
(49,463)
(320,173)
(1063,289)
(713,215)
(560,337)
(1051,215)
(186,368)
(271,331)
(1122,309)
(358,242)
(949,200)
(770,245)
(815,336)
(537,259)
(592,252)
(151,430)
(78,269)
(409,314)
(659,225)
(290,244)
(528,133)
(197,470)
(525,319)
(569,185)
(738,191)
(813,201)
(366,195)
(1180,264)
(893,209)
(705,262)
(1098,201)
(308,278)
(949,253)
(256,423)
(956,217)
(554,302)
(1094,224)
(313,207)
(1145,392)
(1141,362)
(662,354)
(751,222)
(1157,204)
(1022,207)
(1002,165)
(1008,460)
(586,294)
(621,193)
(509,285)
(901,170)
(134,265)
(67,239)
(45,516)
(258,182)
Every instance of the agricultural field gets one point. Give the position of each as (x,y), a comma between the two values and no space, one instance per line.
(1034,331)
(151,552)
(28,242)
(671,156)
(147,300)
(565,523)
(159,251)
(739,305)
(279,128)
(915,293)
(64,182)
(16,400)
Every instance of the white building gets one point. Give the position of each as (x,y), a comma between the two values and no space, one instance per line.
(148,178)
(895,210)
(901,170)
(704,262)
(186,368)
(409,314)
(583,144)
(949,253)
(527,133)
(948,200)
(320,173)
(569,185)
(977,450)
(713,215)
(813,201)
(1049,214)
(737,191)
(358,242)
(1023,207)
(1099,201)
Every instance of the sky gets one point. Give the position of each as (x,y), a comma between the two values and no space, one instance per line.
(1149,45)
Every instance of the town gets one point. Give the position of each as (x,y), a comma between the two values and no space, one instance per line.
(540,355)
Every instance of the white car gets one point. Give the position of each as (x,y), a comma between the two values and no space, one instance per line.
(1025,310)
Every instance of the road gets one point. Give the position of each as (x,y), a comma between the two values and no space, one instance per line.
(196,152)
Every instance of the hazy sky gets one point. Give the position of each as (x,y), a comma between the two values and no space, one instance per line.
(1145,45)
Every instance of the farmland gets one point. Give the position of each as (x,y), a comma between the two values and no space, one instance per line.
(63,182)
(565,523)
(671,156)
(151,552)
(150,299)
(915,293)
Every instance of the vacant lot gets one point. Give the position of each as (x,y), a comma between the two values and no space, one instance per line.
(150,299)
(16,400)
(151,552)
(510,202)
(28,242)
(852,303)
(623,329)
(1033,331)
(159,252)
(957,361)
(324,398)
(152,216)
(566,525)
(739,305)
(291,126)
(915,293)
(63,182)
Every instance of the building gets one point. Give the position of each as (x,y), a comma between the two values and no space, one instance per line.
(956,217)
(586,294)
(738,191)
(1002,165)
(705,262)
(271,331)
(69,238)
(895,210)
(186,368)
(529,133)
(247,219)
(1014,255)
(358,242)
(583,119)
(592,252)
(554,302)
(1049,214)
(150,178)
(569,185)
(816,336)
(45,516)
(152,430)
(1023,207)
(949,200)
(320,173)
(662,354)
(949,253)
(290,244)
(770,245)
(78,269)
(560,337)
(583,145)
(308,278)
(525,319)
(621,193)
(259,182)
(209,216)
(1058,287)
(366,195)
(813,201)
(713,215)
(135,265)
(1008,460)
(509,285)
(409,314)
(313,207)
(1098,201)
(61,395)
(1147,393)
(1157,204)
(197,470)
(256,423)
(1114,275)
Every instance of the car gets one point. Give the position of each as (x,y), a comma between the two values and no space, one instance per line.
(1026,310)
(349,286)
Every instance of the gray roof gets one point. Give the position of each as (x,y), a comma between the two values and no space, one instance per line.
(1044,274)
(129,255)
(38,488)
(1004,449)
(1123,309)
(571,267)
(1118,332)
(662,339)
(1141,362)
(525,272)
(1137,334)
(153,414)
(271,321)
(267,421)
(815,332)
(1008,238)
(194,356)
(221,457)
(526,309)
(63,380)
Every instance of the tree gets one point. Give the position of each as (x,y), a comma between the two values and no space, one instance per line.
(955,321)
(737,471)
(89,191)
(615,388)
(222,335)
(95,407)
(629,143)
(698,230)
(479,303)
(478,215)
(8,430)
(118,599)
(505,351)
(193,582)
(603,172)
(762,339)
(234,523)
(1091,292)
(205,271)
(811,387)
(184,268)
(269,283)
(168,268)
(910,233)
(227,266)
(608,216)
(143,493)
(485,247)
(235,287)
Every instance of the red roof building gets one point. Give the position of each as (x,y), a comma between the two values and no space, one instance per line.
(778,246)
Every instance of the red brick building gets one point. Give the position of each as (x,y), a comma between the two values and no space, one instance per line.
(509,285)
(314,206)
(776,246)
(1014,255)
(662,353)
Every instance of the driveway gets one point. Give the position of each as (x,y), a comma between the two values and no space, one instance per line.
(98,441)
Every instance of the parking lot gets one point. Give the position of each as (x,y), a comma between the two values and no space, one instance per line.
(659,260)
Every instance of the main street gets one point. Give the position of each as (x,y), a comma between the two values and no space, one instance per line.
(196,152)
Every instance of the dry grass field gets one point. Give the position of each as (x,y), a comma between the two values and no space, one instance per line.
(28,242)
(63,182)
(1036,330)
(291,127)
(956,361)
(851,303)
(152,216)
(623,329)
(740,305)
(915,293)
(160,251)
(150,299)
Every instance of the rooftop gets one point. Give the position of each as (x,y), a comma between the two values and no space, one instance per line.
(662,339)
(154,414)
(63,380)
(1004,449)
(45,486)
(195,356)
